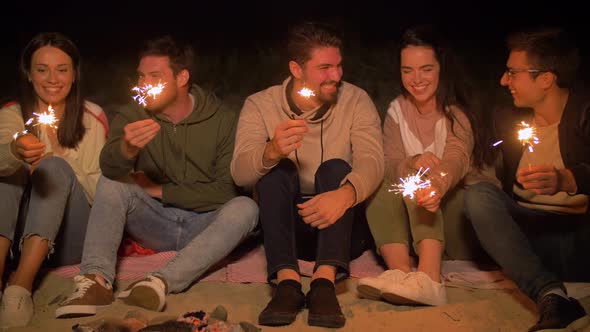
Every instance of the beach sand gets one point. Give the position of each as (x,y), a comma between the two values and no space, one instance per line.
(467,310)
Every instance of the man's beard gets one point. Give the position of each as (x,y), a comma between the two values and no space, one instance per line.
(330,98)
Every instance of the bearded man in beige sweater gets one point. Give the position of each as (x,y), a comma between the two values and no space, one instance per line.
(311,149)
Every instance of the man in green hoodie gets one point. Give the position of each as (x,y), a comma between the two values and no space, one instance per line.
(166,182)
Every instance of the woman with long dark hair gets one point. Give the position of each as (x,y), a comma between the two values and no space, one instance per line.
(48,173)
(427,129)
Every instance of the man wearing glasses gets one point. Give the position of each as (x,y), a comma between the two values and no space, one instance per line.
(537,227)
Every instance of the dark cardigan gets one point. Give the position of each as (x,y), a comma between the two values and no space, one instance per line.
(574,140)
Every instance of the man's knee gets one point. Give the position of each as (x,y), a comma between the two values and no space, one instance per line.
(330,173)
(334,167)
(284,172)
(112,189)
(244,209)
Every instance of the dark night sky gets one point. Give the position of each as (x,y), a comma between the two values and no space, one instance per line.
(109,33)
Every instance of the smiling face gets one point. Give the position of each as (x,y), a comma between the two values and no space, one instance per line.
(526,88)
(322,74)
(52,74)
(420,71)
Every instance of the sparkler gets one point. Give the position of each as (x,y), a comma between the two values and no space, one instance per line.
(146,91)
(19,134)
(411,184)
(527,135)
(306,93)
(46,118)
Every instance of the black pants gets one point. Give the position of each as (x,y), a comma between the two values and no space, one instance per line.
(287,237)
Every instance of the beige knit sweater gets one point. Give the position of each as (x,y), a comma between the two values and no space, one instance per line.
(350,130)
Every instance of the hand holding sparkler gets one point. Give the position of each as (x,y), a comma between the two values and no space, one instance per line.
(28,148)
(411,184)
(137,135)
(546,179)
(427,193)
(288,138)
(429,198)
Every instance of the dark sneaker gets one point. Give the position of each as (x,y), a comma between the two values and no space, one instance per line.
(149,293)
(284,306)
(324,309)
(88,296)
(556,313)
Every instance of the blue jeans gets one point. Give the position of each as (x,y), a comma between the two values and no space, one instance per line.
(49,203)
(201,239)
(537,249)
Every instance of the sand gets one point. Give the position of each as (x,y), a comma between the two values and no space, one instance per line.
(479,310)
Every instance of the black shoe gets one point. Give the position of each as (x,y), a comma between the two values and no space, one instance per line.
(559,314)
(284,306)
(324,309)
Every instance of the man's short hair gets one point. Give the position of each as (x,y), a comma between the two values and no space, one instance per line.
(549,49)
(306,37)
(181,56)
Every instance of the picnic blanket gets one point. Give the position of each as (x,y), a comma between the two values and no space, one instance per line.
(250,267)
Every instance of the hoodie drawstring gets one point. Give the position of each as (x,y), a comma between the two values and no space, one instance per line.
(321,144)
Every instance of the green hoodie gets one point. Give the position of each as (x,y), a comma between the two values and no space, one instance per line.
(190,159)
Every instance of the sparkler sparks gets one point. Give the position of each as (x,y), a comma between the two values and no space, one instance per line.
(19,134)
(498,143)
(305,92)
(411,184)
(46,118)
(527,135)
(146,91)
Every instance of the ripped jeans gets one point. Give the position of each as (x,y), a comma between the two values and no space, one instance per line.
(50,203)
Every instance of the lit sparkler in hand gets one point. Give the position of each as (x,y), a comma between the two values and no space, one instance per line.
(411,184)
(146,91)
(527,135)
(46,118)
(305,92)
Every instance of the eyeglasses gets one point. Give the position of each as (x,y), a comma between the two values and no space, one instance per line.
(511,72)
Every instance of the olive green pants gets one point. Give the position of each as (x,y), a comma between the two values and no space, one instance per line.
(393,218)
(396,219)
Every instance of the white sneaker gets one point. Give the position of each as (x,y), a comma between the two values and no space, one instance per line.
(149,293)
(416,288)
(372,287)
(17,307)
